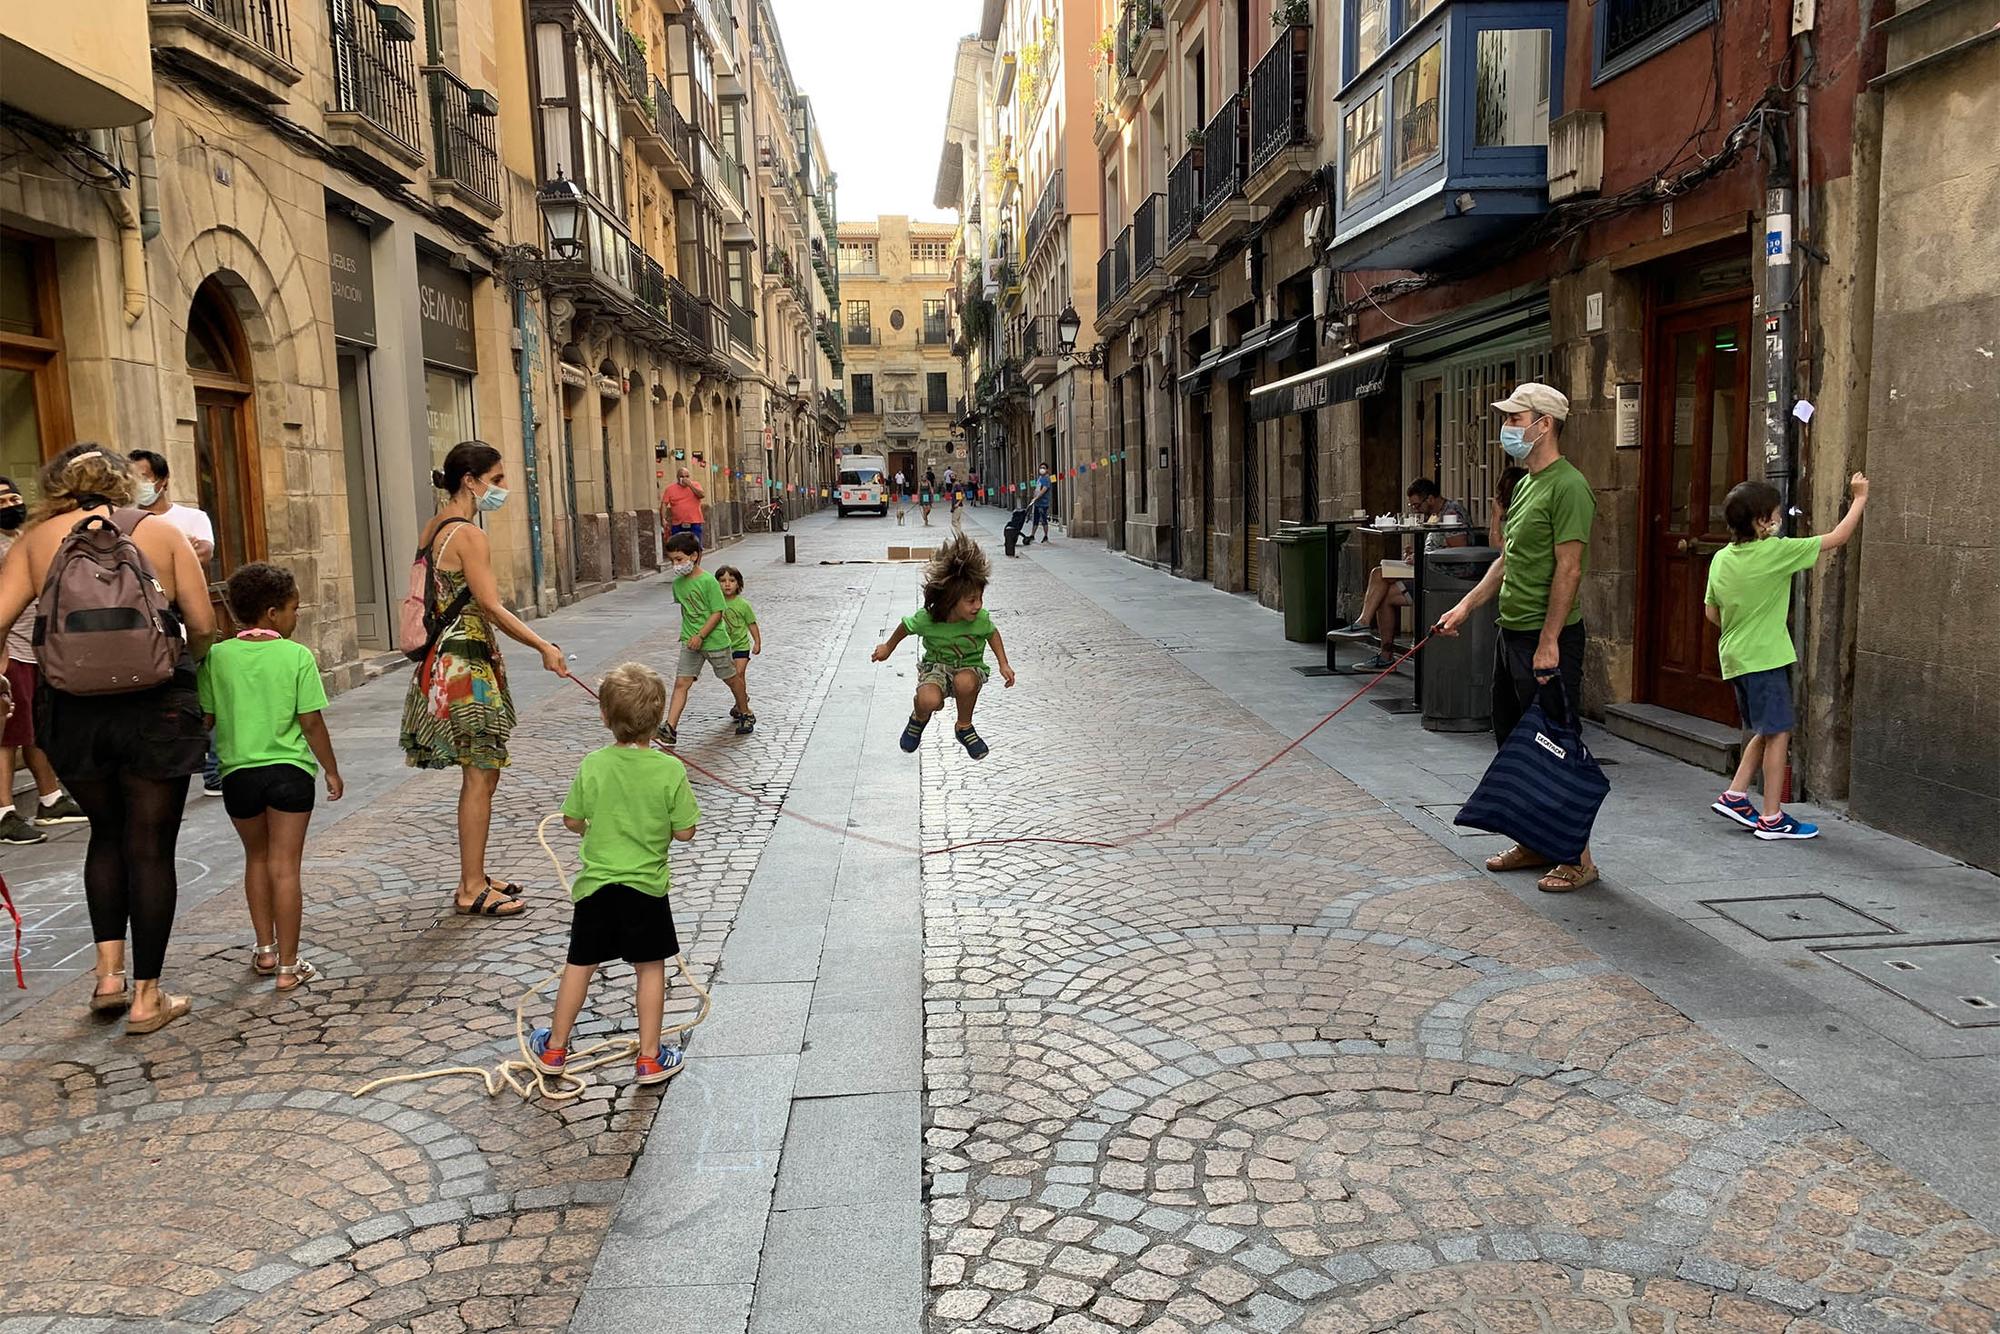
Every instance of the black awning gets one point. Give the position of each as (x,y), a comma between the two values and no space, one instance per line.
(1195,381)
(1358,375)
(1289,341)
(1243,358)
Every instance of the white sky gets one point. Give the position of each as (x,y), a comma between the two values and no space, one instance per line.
(879,75)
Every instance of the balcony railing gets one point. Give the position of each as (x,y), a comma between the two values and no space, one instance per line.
(462,120)
(687,313)
(1279,86)
(1033,339)
(860,335)
(936,333)
(1134,18)
(649,285)
(1105,296)
(1225,153)
(1184,197)
(374,73)
(265,24)
(1148,241)
(1121,264)
(1047,210)
(742,326)
(672,124)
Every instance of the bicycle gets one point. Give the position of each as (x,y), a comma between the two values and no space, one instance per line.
(765,518)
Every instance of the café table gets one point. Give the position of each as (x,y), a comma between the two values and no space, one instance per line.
(1474,535)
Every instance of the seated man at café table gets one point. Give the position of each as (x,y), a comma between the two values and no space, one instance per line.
(1386,596)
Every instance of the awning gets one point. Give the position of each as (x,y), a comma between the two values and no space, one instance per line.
(1357,375)
(1243,358)
(1289,340)
(1195,381)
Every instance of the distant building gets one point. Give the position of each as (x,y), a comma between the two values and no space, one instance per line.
(905,387)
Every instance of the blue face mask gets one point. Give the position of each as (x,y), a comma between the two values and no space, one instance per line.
(492,498)
(1514,440)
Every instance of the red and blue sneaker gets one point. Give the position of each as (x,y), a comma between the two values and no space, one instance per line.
(1740,809)
(1784,826)
(549,1060)
(659,1069)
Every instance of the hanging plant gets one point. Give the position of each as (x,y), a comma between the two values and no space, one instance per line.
(1102,50)
(1291,13)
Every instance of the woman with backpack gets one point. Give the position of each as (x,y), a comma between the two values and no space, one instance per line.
(458,713)
(125,614)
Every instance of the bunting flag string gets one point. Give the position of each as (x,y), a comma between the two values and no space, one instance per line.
(1002,491)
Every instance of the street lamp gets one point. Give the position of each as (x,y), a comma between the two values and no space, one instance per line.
(561,202)
(792,385)
(1068,325)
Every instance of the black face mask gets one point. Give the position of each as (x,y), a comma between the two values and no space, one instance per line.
(12,517)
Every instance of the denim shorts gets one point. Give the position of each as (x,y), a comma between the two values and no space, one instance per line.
(1765,701)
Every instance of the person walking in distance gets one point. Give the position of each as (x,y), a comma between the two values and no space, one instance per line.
(1544,553)
(680,505)
(125,755)
(1045,495)
(155,481)
(458,714)
(17,719)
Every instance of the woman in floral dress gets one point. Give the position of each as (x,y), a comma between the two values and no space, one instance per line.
(458,713)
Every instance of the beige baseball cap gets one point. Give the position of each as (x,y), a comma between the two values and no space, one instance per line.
(1536,398)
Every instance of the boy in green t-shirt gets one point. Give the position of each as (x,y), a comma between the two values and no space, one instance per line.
(263,697)
(704,639)
(629,801)
(955,629)
(1749,596)
(745,637)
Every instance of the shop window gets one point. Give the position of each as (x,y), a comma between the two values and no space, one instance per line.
(1511,88)
(1417,98)
(448,409)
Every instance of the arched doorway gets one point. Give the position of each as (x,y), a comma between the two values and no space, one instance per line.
(225,437)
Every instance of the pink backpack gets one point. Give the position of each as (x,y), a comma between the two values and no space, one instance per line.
(419,626)
(105,626)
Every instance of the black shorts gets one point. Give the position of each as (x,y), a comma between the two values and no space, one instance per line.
(155,734)
(739,655)
(620,922)
(248,793)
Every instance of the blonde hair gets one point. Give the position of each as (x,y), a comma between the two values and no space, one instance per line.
(634,700)
(84,471)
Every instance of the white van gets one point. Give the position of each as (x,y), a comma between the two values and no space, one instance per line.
(863,484)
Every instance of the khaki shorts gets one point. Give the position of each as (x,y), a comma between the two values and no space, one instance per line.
(718,660)
(939,675)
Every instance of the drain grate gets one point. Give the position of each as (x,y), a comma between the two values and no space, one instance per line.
(1957,981)
(1799,917)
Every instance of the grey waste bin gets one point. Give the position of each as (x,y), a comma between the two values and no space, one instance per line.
(1458,671)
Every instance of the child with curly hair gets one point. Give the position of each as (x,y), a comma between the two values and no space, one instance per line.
(955,630)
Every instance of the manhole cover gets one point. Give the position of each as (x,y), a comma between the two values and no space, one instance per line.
(1799,917)
(1958,981)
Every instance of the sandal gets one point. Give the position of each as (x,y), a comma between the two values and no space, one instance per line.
(171,1008)
(263,970)
(1517,858)
(105,1002)
(1566,878)
(504,906)
(292,976)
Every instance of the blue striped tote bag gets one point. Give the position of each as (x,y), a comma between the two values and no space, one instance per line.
(1544,787)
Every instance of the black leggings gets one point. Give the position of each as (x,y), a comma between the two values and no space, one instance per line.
(128,874)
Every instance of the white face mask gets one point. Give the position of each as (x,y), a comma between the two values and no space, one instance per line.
(681,569)
(146,495)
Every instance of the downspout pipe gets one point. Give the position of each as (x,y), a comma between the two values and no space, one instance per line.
(525,362)
(149,183)
(131,250)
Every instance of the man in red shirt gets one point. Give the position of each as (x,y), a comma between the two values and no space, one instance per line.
(680,506)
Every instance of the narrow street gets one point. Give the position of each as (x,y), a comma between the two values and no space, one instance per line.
(1293,1063)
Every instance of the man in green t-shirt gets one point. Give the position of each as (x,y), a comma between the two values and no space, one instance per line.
(1544,551)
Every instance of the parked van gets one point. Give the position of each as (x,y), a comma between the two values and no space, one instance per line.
(863,484)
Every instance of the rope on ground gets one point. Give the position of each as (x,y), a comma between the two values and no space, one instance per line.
(523,1075)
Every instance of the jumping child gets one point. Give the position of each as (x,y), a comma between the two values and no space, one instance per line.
(263,697)
(745,636)
(630,801)
(702,608)
(956,630)
(1749,594)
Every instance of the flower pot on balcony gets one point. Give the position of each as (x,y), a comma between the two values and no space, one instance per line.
(397,25)
(482,103)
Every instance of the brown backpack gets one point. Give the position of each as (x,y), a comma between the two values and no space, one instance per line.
(105,626)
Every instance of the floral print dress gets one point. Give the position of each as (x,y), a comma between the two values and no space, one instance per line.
(458,712)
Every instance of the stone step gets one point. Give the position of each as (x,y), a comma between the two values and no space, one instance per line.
(1710,745)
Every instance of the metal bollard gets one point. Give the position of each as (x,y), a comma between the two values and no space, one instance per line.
(791,549)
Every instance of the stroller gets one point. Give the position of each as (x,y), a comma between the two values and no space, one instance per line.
(1012,532)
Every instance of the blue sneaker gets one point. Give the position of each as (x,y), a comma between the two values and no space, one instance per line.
(913,735)
(1742,809)
(1786,827)
(549,1060)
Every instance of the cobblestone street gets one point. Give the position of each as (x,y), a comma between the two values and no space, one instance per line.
(1290,1064)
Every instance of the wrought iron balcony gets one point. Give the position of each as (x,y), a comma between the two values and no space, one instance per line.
(1226,154)
(689,316)
(1121,264)
(649,286)
(860,335)
(375,76)
(1279,88)
(1148,238)
(1048,210)
(247,44)
(1184,197)
(1105,296)
(937,331)
(464,160)
(1136,18)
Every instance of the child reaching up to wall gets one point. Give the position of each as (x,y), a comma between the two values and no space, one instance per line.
(955,631)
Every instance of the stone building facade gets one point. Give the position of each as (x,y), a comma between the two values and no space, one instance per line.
(905,386)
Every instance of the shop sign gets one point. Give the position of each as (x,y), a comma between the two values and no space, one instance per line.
(353,268)
(444,308)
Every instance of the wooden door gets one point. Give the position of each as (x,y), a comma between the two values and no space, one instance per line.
(227,481)
(1696,448)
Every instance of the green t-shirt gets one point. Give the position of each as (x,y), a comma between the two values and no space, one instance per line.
(1751,582)
(952,643)
(634,799)
(700,598)
(256,689)
(1550,507)
(739,616)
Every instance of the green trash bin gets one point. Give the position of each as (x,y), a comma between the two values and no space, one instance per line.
(1302,576)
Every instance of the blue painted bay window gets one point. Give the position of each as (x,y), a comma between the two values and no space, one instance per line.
(1443,125)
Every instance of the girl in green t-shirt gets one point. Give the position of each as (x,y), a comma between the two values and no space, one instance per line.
(264,701)
(740,619)
(955,629)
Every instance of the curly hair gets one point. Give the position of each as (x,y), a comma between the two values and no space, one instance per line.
(84,476)
(257,589)
(959,568)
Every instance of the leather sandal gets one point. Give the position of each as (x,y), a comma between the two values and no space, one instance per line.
(261,952)
(109,1002)
(1517,858)
(292,976)
(171,1008)
(490,903)
(1566,878)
